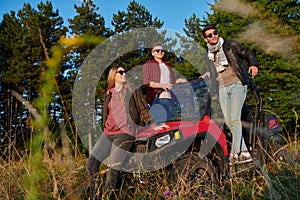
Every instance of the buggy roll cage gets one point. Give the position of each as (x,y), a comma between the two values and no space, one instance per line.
(257,118)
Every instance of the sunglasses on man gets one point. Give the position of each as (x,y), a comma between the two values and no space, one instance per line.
(158,50)
(211,34)
(121,72)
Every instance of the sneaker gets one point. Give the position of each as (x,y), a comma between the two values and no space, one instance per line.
(245,157)
(233,158)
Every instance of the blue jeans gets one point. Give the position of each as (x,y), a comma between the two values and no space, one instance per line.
(232,98)
(162,109)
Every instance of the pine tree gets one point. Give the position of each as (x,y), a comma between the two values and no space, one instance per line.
(137,16)
(89,25)
(26,40)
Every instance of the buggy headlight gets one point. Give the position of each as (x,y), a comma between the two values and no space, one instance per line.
(162,140)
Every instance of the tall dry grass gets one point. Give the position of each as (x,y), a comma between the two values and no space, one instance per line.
(272,181)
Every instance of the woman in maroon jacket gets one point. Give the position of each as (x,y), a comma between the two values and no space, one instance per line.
(123,110)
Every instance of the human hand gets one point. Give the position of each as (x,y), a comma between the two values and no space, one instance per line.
(160,127)
(166,86)
(206,74)
(253,70)
(181,80)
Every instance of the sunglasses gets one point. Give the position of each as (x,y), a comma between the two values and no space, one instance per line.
(121,72)
(159,50)
(211,34)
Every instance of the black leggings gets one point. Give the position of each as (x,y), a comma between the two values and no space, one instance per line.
(117,147)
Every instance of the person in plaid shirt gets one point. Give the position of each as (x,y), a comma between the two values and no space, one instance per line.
(159,77)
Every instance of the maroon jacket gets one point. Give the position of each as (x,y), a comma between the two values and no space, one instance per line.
(151,72)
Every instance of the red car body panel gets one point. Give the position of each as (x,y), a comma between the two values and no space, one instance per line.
(191,128)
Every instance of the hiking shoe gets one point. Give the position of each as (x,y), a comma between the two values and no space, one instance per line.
(233,158)
(245,157)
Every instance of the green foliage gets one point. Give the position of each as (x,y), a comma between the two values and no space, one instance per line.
(137,16)
(35,170)
(22,50)
(193,28)
(286,11)
(26,39)
(88,21)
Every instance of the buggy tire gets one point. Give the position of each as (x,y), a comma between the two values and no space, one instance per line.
(279,154)
(195,176)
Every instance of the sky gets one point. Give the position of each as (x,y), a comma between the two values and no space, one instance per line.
(172,12)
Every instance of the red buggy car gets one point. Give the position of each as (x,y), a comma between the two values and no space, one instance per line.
(196,149)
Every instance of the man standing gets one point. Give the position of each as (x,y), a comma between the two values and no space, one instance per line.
(227,68)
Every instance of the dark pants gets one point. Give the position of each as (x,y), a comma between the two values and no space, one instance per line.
(117,147)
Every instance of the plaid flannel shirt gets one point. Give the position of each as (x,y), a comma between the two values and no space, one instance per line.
(151,73)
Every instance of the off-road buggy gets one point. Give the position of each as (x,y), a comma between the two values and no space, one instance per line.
(195,149)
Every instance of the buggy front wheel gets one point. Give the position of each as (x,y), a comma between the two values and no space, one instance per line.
(278,154)
(193,175)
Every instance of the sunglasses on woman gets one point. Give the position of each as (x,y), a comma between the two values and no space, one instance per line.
(121,72)
(211,34)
